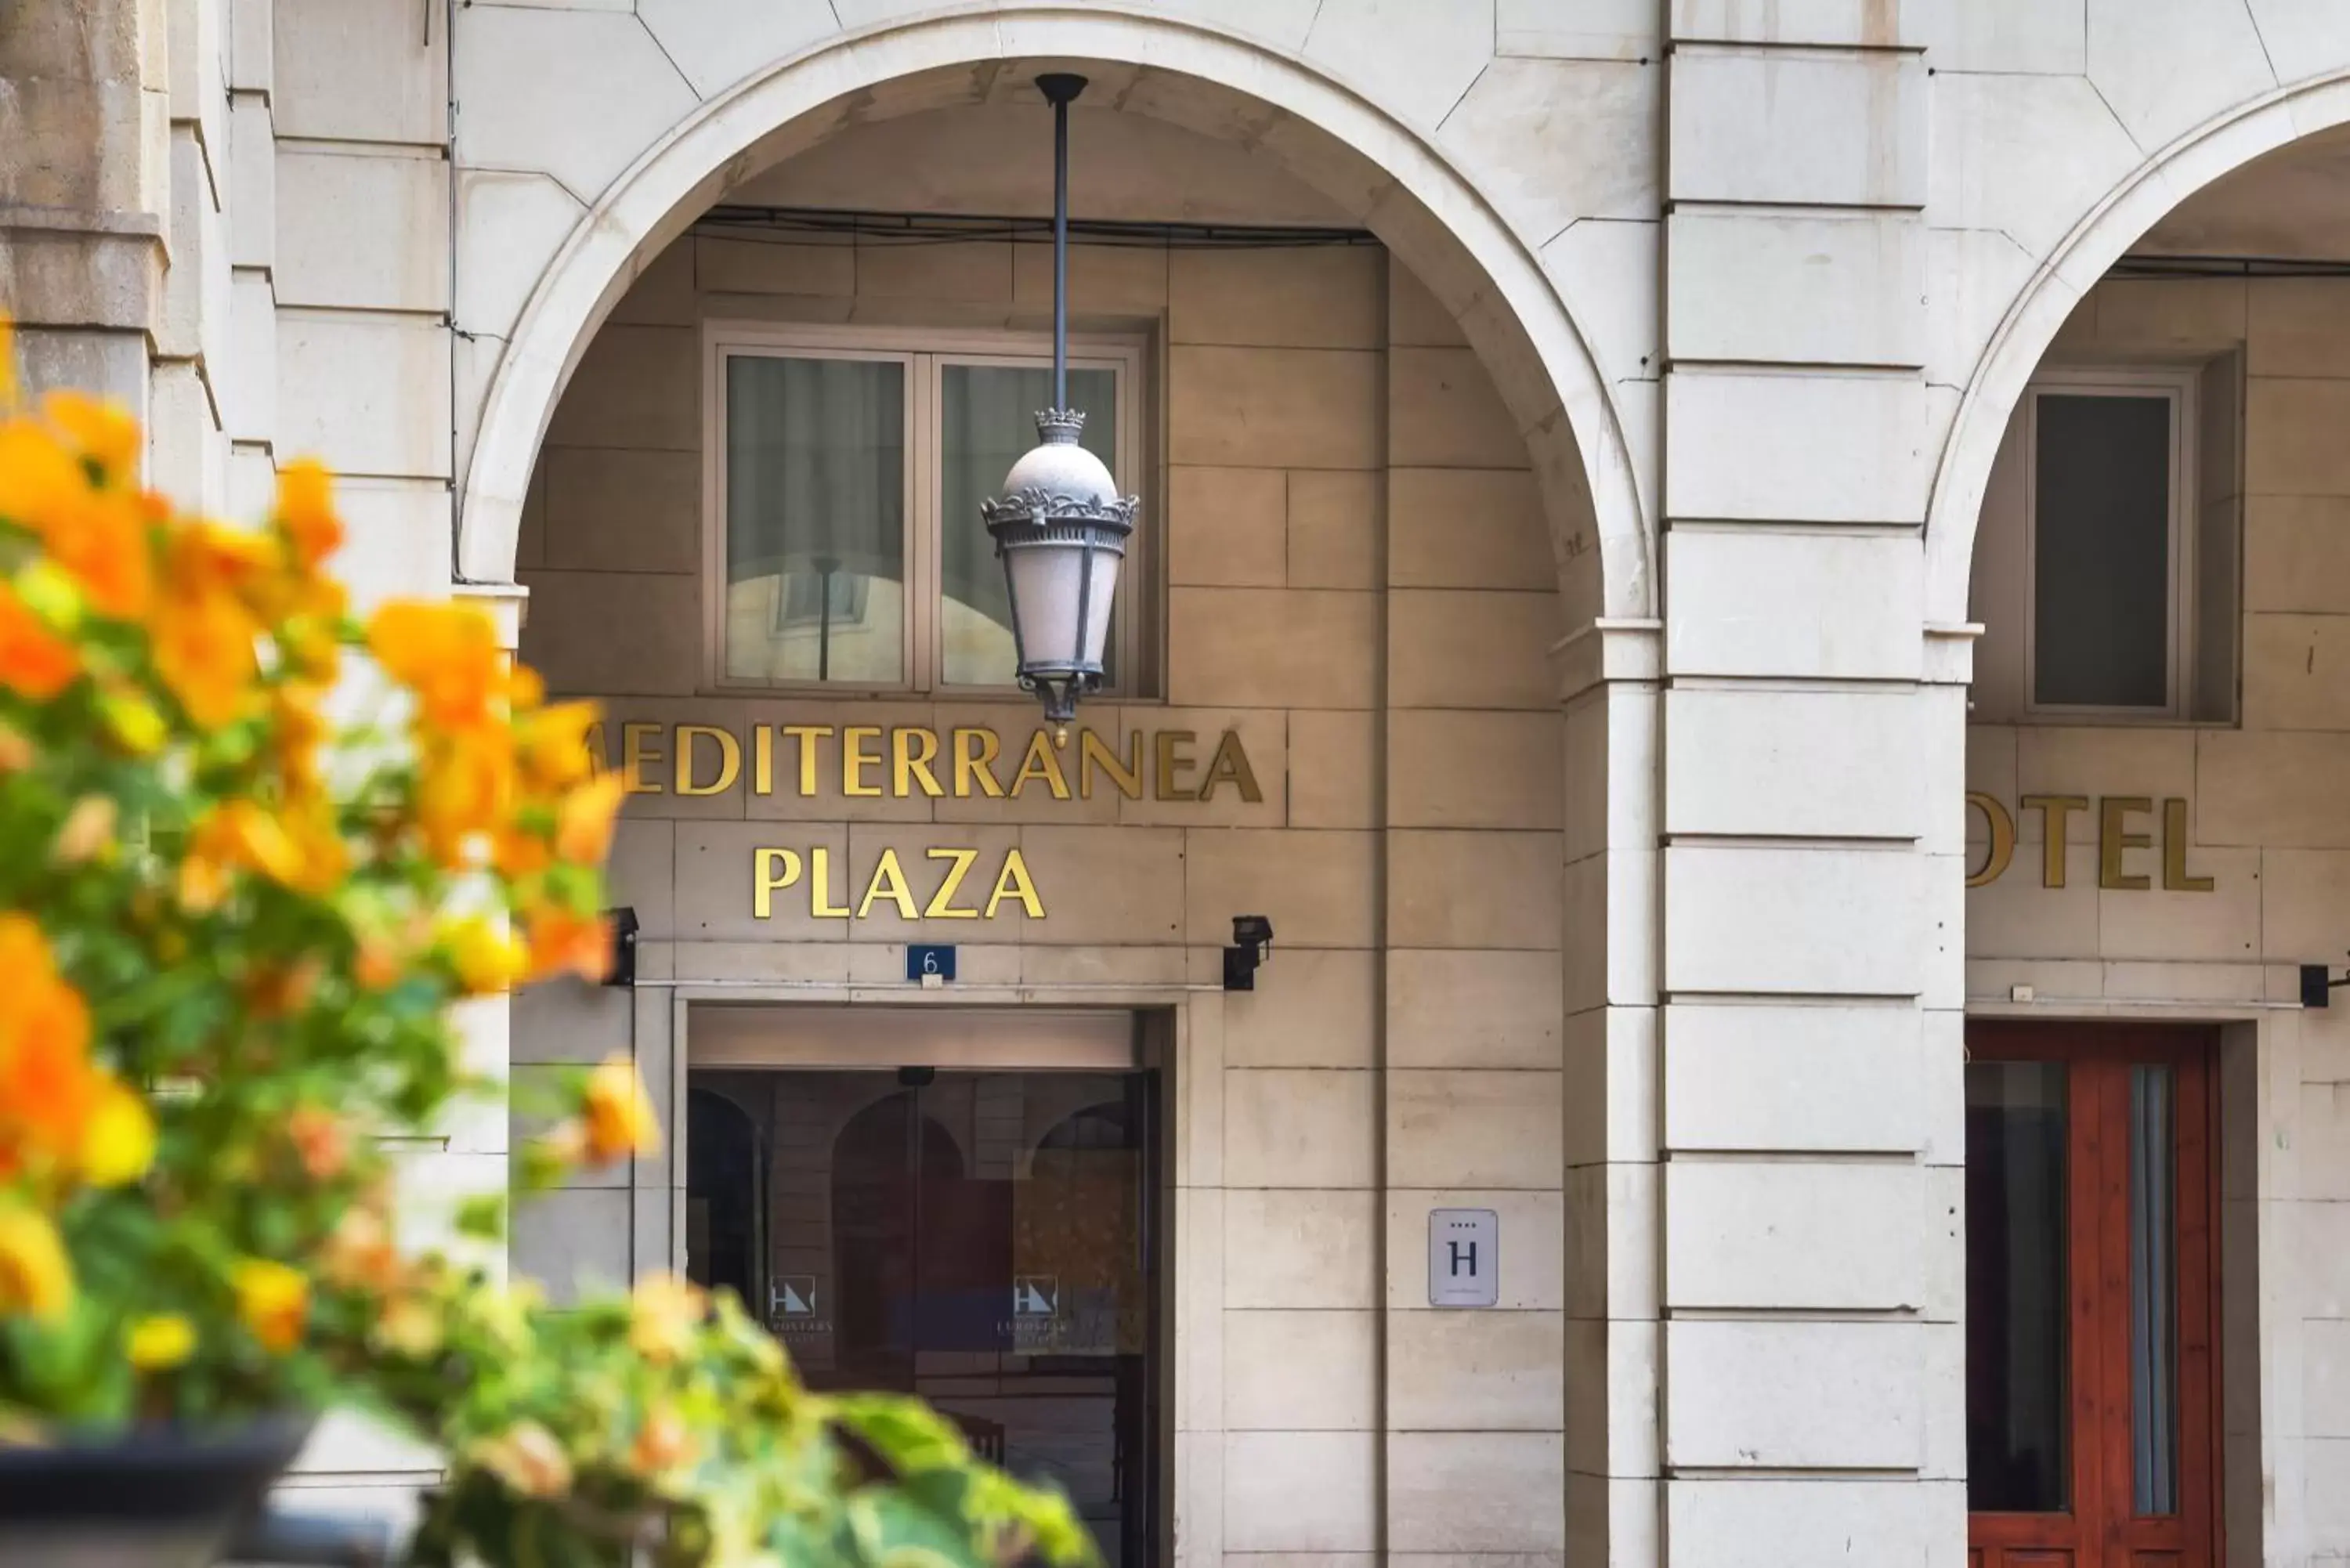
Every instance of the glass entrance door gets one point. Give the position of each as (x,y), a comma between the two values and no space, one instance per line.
(982,1240)
(2091,1424)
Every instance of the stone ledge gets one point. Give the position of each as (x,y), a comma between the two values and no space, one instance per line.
(61,267)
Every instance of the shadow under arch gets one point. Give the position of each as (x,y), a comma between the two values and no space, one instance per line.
(2121,217)
(1322,133)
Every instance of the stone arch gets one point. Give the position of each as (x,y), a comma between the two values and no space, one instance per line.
(1327,136)
(2119,220)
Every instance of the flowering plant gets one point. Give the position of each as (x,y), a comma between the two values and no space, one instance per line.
(252,851)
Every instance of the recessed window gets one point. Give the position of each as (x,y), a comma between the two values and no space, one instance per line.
(847,549)
(2105,562)
(2110,573)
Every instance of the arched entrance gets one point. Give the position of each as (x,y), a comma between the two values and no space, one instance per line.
(1393,182)
(2022,340)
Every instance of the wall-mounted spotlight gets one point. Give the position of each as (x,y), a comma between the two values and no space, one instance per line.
(2317,985)
(1252,939)
(624,948)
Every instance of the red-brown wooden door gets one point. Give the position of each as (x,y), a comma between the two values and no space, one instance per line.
(2091,1427)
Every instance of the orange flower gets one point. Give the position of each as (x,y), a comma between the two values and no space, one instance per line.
(101,430)
(203,633)
(359,1253)
(662,1444)
(465,792)
(561,942)
(306,505)
(38,477)
(34,660)
(274,1302)
(320,1140)
(583,824)
(447,654)
(49,1091)
(378,965)
(101,540)
(618,1113)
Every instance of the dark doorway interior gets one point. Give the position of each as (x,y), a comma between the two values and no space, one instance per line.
(986,1240)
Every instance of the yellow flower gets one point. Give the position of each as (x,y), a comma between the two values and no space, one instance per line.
(554,742)
(410,1328)
(36,1276)
(663,1313)
(118,1141)
(159,1342)
(618,1112)
(528,1458)
(487,960)
(132,720)
(274,1302)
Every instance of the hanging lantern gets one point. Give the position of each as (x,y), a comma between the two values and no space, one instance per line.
(1060,526)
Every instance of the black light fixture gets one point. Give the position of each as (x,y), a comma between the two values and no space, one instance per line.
(1252,939)
(623,970)
(1060,526)
(2317,985)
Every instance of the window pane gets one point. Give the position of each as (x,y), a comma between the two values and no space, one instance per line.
(816,520)
(2101,551)
(988,419)
(2153,1296)
(2018,1367)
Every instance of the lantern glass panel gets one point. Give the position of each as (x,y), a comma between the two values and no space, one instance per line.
(1048,580)
(987,419)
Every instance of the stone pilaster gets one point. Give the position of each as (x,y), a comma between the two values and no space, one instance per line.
(1811,1381)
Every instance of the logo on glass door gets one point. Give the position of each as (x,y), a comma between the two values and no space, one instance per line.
(792,1305)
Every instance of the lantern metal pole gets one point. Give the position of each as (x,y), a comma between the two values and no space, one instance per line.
(1060,88)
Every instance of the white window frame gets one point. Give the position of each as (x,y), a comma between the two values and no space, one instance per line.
(922,353)
(2176,385)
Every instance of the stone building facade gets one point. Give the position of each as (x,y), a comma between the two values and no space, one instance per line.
(1754,590)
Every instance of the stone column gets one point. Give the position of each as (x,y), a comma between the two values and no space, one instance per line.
(1810,956)
(84,170)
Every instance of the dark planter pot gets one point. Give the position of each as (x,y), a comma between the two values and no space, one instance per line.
(155,1496)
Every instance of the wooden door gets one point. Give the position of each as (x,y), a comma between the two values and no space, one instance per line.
(2092,1381)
